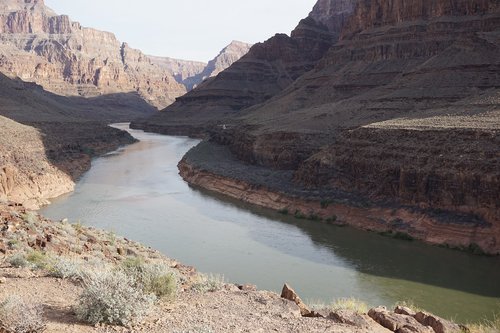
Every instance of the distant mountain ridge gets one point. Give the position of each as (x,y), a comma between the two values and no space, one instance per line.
(192,73)
(37,45)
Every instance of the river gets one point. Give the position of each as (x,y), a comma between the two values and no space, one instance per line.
(136,192)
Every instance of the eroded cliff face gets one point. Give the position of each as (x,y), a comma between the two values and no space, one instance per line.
(263,72)
(39,46)
(403,110)
(47,141)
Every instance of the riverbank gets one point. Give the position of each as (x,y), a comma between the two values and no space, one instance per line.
(213,306)
(213,167)
(36,167)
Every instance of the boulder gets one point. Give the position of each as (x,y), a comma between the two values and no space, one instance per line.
(399,323)
(290,294)
(360,320)
(438,324)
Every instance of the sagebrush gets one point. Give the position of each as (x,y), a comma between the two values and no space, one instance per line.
(111,297)
(19,316)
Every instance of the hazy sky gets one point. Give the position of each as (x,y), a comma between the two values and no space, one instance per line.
(186,29)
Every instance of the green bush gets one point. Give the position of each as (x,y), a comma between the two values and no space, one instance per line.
(157,279)
(37,260)
(112,297)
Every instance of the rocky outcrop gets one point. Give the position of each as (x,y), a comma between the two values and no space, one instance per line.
(263,72)
(192,73)
(48,141)
(290,294)
(398,323)
(65,58)
(184,71)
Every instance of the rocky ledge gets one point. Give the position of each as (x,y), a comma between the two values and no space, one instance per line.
(215,168)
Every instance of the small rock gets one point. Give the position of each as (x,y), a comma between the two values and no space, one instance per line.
(290,294)
(247,287)
(405,311)
(3,280)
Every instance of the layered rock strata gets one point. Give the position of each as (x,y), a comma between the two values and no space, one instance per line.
(263,72)
(48,141)
(65,58)
(403,110)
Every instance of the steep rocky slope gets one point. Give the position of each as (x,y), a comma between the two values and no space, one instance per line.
(192,73)
(267,69)
(402,111)
(47,140)
(65,58)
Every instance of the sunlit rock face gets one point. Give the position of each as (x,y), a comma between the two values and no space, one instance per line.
(40,46)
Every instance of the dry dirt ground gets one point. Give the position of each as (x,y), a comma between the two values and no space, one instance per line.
(226,310)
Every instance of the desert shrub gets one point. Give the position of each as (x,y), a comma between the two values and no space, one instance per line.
(157,279)
(299,215)
(283,211)
(487,326)
(30,218)
(208,283)
(37,260)
(18,260)
(325,203)
(18,316)
(112,297)
(351,304)
(65,268)
(331,219)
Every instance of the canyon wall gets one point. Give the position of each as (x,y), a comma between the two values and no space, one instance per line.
(65,58)
(403,109)
(266,70)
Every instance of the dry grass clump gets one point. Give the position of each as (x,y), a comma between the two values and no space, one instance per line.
(487,326)
(156,278)
(18,316)
(208,283)
(350,304)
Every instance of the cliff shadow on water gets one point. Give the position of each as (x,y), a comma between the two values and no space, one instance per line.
(377,255)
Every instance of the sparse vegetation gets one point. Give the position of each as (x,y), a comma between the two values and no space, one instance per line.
(37,260)
(18,260)
(157,279)
(314,217)
(208,283)
(112,297)
(299,215)
(66,268)
(325,203)
(283,211)
(486,326)
(331,219)
(351,304)
(18,316)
